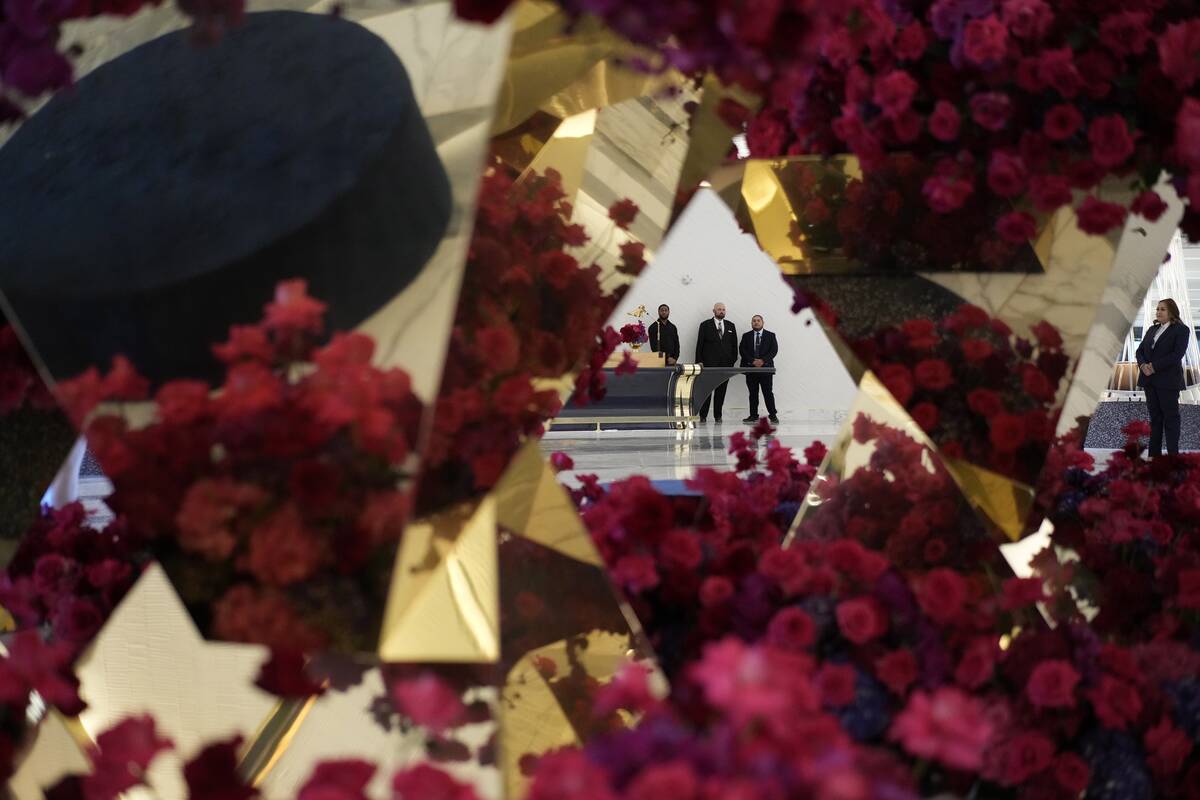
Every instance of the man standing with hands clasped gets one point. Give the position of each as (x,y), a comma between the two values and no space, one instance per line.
(664,336)
(759,348)
(716,346)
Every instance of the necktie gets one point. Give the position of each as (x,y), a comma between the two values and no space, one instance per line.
(721,329)
(757,339)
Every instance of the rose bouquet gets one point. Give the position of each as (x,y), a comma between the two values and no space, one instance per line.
(982,393)
(276,503)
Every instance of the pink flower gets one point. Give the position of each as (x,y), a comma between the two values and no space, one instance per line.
(1098,217)
(1006,174)
(792,629)
(897,670)
(1017,227)
(1027,19)
(1061,122)
(338,780)
(985,41)
(1057,69)
(1111,143)
(674,779)
(561,462)
(293,312)
(977,664)
(560,775)
(1052,684)
(894,92)
(945,193)
(1116,702)
(861,619)
(630,689)
(948,726)
(1187,133)
(429,702)
(991,110)
(1177,48)
(944,122)
(715,591)
(425,782)
(910,42)
(635,572)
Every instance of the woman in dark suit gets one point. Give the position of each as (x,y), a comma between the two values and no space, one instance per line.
(1160,360)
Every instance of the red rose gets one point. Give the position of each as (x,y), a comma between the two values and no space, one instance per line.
(948,725)
(991,110)
(1027,19)
(899,382)
(984,402)
(1022,757)
(1007,432)
(338,780)
(680,550)
(1017,227)
(1036,384)
(1111,142)
(944,122)
(977,664)
(945,193)
(1149,205)
(623,212)
(1126,33)
(835,684)
(925,415)
(1006,174)
(1167,747)
(1072,773)
(816,211)
(897,670)
(1115,702)
(976,350)
(633,258)
(1187,133)
(1177,48)
(1047,335)
(985,41)
(1061,122)
(921,333)
(861,620)
(425,782)
(283,550)
(122,755)
(1050,191)
(766,135)
(1098,217)
(1052,684)
(1057,68)
(792,629)
(941,594)
(933,374)
(894,92)
(910,42)
(429,701)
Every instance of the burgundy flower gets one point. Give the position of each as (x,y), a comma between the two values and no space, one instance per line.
(1017,227)
(122,755)
(792,629)
(1049,192)
(1111,142)
(861,620)
(715,591)
(1098,217)
(985,41)
(283,675)
(899,381)
(897,670)
(633,258)
(213,774)
(623,212)
(1116,702)
(1027,19)
(835,683)
(1187,133)
(991,110)
(1126,33)
(1019,758)
(338,780)
(946,193)
(481,10)
(1149,205)
(944,122)
(942,594)
(1071,773)
(894,92)
(1007,432)
(1167,747)
(1006,174)
(1052,684)
(1177,48)
(933,374)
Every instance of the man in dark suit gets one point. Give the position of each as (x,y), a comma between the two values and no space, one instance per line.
(716,346)
(664,336)
(1160,361)
(759,348)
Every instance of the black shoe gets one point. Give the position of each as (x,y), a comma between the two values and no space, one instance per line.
(774,420)
(750,420)
(717,420)
(704,419)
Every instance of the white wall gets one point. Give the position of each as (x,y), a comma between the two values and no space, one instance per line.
(707,259)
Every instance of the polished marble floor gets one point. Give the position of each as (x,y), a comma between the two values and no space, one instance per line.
(670,455)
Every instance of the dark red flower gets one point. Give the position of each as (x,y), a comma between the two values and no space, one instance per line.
(623,213)
(941,594)
(1149,205)
(1027,19)
(1116,702)
(1006,174)
(1072,773)
(835,684)
(861,619)
(897,670)
(122,755)
(1098,217)
(977,664)
(946,193)
(1167,748)
(1017,227)
(894,92)
(944,122)
(1052,684)
(1111,142)
(633,258)
(1050,192)
(792,629)
(933,374)
(985,41)
(948,725)
(481,10)
(1126,33)
(1177,48)
(899,381)
(1187,133)
(283,675)
(338,780)
(991,110)
(213,774)
(925,415)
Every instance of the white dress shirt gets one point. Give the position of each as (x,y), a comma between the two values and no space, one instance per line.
(1159,333)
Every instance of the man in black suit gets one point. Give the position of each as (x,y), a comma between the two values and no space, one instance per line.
(716,346)
(664,336)
(759,348)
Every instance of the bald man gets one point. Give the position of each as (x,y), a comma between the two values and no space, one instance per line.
(716,346)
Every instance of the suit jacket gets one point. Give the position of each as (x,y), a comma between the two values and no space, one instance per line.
(713,350)
(670,338)
(768,348)
(1166,357)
